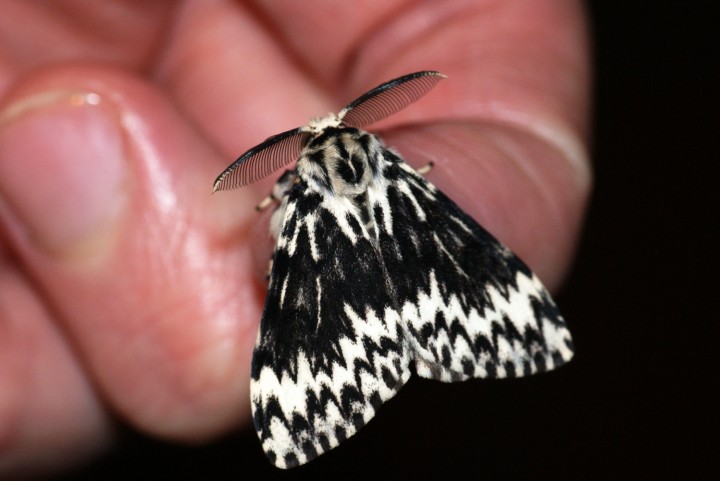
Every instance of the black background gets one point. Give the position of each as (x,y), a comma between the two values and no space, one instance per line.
(638,400)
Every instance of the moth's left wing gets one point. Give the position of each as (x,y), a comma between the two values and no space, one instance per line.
(470,306)
(329,350)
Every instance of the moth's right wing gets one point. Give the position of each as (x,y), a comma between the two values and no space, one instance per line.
(471,307)
(329,350)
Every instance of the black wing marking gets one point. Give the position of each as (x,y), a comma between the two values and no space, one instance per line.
(470,306)
(262,160)
(388,98)
(330,349)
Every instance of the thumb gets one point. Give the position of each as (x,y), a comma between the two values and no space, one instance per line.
(106,201)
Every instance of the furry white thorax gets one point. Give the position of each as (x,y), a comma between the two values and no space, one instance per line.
(325,176)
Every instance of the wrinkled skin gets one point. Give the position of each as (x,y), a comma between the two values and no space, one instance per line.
(127,291)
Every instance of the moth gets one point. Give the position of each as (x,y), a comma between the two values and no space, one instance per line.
(376,276)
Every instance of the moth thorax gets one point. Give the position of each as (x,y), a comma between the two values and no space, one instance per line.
(340,161)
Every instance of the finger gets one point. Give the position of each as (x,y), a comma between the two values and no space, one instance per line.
(519,82)
(232,76)
(122,33)
(523,64)
(50,417)
(327,48)
(109,209)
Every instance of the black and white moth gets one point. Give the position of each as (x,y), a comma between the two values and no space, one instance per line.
(377,275)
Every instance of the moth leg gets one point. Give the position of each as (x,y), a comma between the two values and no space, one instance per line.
(281,188)
(269,270)
(426,168)
(263,204)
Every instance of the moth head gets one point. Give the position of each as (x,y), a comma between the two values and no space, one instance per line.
(318,125)
(279,150)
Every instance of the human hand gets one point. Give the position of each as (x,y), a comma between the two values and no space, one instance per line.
(126,288)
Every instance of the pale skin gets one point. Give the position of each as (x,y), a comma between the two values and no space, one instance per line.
(126,288)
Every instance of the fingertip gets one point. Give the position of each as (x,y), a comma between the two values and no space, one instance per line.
(63,171)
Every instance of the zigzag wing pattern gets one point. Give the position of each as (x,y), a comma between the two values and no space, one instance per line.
(470,306)
(330,349)
(377,274)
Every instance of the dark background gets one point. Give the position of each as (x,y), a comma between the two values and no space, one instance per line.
(638,400)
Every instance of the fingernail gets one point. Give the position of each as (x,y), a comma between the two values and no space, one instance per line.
(62,171)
